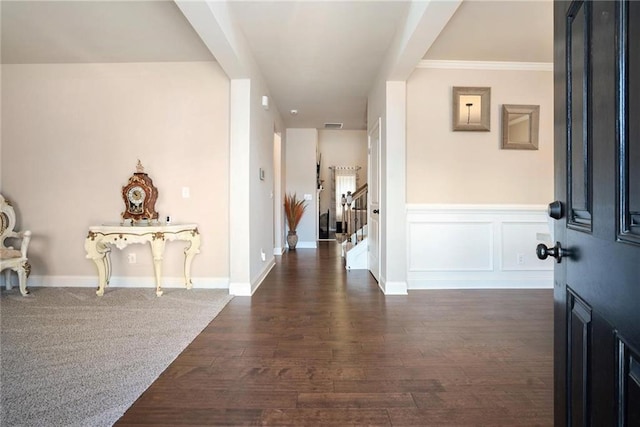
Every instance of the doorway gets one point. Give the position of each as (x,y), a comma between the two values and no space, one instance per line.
(341,167)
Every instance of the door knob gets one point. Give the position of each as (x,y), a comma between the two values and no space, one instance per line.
(556,210)
(557,252)
(375,211)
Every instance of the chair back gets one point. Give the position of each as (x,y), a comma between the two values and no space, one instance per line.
(7,219)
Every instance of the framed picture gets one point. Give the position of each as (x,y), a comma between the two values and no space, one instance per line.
(520,126)
(471,108)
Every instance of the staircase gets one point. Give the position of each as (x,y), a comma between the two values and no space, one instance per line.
(354,217)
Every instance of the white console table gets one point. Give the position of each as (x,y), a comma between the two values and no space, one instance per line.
(101,236)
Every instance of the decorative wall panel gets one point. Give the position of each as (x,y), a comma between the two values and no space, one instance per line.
(477,246)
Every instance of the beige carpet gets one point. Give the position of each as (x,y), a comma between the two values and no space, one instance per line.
(70,358)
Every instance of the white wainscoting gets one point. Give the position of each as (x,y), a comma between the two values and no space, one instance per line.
(476,246)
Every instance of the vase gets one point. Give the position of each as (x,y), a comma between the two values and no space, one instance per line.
(292,239)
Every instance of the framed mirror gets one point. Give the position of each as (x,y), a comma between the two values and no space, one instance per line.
(520,126)
(471,108)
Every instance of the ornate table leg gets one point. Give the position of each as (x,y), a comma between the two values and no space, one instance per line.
(107,264)
(157,249)
(189,252)
(98,252)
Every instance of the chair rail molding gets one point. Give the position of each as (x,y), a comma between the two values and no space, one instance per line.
(476,246)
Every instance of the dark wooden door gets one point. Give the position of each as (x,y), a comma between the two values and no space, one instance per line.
(597,175)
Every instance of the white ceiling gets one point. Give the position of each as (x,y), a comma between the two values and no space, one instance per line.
(319,57)
(35,32)
(514,31)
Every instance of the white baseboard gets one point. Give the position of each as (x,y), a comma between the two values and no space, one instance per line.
(246,289)
(240,289)
(265,272)
(278,251)
(307,245)
(519,282)
(395,288)
(125,282)
(392,288)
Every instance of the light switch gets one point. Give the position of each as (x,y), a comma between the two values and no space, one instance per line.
(308,197)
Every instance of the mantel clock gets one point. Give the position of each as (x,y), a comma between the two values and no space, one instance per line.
(139,197)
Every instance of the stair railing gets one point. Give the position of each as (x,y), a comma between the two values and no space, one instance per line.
(355,215)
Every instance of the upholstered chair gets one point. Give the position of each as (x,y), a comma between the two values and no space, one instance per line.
(13,259)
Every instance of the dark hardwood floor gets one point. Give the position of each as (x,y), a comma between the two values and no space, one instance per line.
(317,345)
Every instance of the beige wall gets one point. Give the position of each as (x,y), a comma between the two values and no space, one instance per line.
(262,203)
(469,167)
(301,148)
(72,134)
(340,148)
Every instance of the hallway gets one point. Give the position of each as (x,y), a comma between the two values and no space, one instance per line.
(317,345)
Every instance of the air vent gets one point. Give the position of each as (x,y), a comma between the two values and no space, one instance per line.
(333,125)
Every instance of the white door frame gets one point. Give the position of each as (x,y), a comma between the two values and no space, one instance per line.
(277,195)
(373,198)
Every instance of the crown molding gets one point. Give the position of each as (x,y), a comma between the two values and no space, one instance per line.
(486,65)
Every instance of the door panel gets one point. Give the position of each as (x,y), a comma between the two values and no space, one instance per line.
(597,178)
(579,339)
(629,30)
(578,141)
(629,384)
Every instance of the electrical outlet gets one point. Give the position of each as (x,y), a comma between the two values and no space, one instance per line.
(186,193)
(263,255)
(520,259)
(132,258)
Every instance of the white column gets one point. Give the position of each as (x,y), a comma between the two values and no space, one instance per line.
(239,209)
(394,229)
